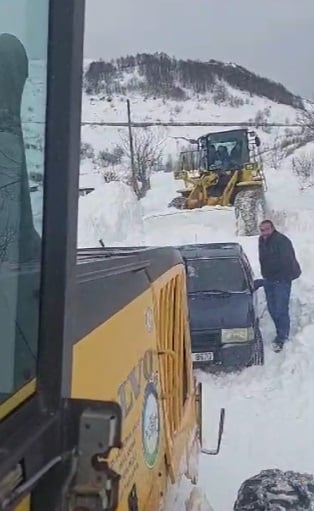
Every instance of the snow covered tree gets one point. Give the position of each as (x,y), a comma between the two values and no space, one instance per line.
(306,121)
(303,167)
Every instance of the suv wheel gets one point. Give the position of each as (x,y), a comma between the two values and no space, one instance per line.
(258,357)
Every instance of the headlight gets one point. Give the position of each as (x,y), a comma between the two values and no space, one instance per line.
(237,335)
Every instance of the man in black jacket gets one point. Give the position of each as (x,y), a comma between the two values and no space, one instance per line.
(279,267)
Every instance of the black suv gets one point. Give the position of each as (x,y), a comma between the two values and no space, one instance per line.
(223,308)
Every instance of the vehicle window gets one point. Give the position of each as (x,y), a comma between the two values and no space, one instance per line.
(23,62)
(227,149)
(216,274)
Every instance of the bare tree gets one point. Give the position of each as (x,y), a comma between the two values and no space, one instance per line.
(303,167)
(147,157)
(262,117)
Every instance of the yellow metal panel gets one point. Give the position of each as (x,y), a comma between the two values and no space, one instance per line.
(14,401)
(118,361)
(109,364)
(25,505)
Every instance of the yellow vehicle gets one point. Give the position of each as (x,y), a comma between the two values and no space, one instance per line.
(225,170)
(99,410)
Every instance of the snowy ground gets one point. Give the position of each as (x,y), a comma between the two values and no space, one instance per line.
(270,409)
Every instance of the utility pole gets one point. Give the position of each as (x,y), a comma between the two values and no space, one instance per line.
(133,169)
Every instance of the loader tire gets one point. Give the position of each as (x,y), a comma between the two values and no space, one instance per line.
(178,203)
(250,210)
(273,489)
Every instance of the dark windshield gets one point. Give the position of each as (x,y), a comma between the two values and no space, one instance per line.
(225,150)
(215,274)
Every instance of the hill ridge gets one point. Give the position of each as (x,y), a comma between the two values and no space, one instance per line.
(162,76)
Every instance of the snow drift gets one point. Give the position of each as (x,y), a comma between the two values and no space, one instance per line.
(110,213)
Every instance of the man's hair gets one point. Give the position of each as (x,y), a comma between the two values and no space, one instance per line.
(269,222)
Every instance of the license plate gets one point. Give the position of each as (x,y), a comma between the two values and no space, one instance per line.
(207,356)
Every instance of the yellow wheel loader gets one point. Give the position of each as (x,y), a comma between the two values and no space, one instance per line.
(226,169)
(99,409)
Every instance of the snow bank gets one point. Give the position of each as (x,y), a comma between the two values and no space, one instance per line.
(294,221)
(111,213)
(289,206)
(163,189)
(269,420)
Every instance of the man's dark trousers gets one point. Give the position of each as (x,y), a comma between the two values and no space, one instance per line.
(277,298)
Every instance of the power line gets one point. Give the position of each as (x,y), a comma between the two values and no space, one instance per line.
(148,124)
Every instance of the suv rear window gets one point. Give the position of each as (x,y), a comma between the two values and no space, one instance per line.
(224,274)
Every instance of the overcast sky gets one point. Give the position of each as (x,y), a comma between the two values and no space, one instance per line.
(274,38)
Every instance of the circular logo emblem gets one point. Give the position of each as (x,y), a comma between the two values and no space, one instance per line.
(150,425)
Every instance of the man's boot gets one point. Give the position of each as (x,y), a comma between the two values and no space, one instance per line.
(277,344)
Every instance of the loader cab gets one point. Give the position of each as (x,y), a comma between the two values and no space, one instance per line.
(224,150)
(232,149)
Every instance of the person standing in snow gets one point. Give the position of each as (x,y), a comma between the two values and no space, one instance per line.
(279,267)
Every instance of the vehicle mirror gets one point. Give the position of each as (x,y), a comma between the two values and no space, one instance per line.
(257,141)
(213,428)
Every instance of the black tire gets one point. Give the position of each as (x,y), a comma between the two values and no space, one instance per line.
(259,356)
(274,489)
(178,203)
(250,210)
